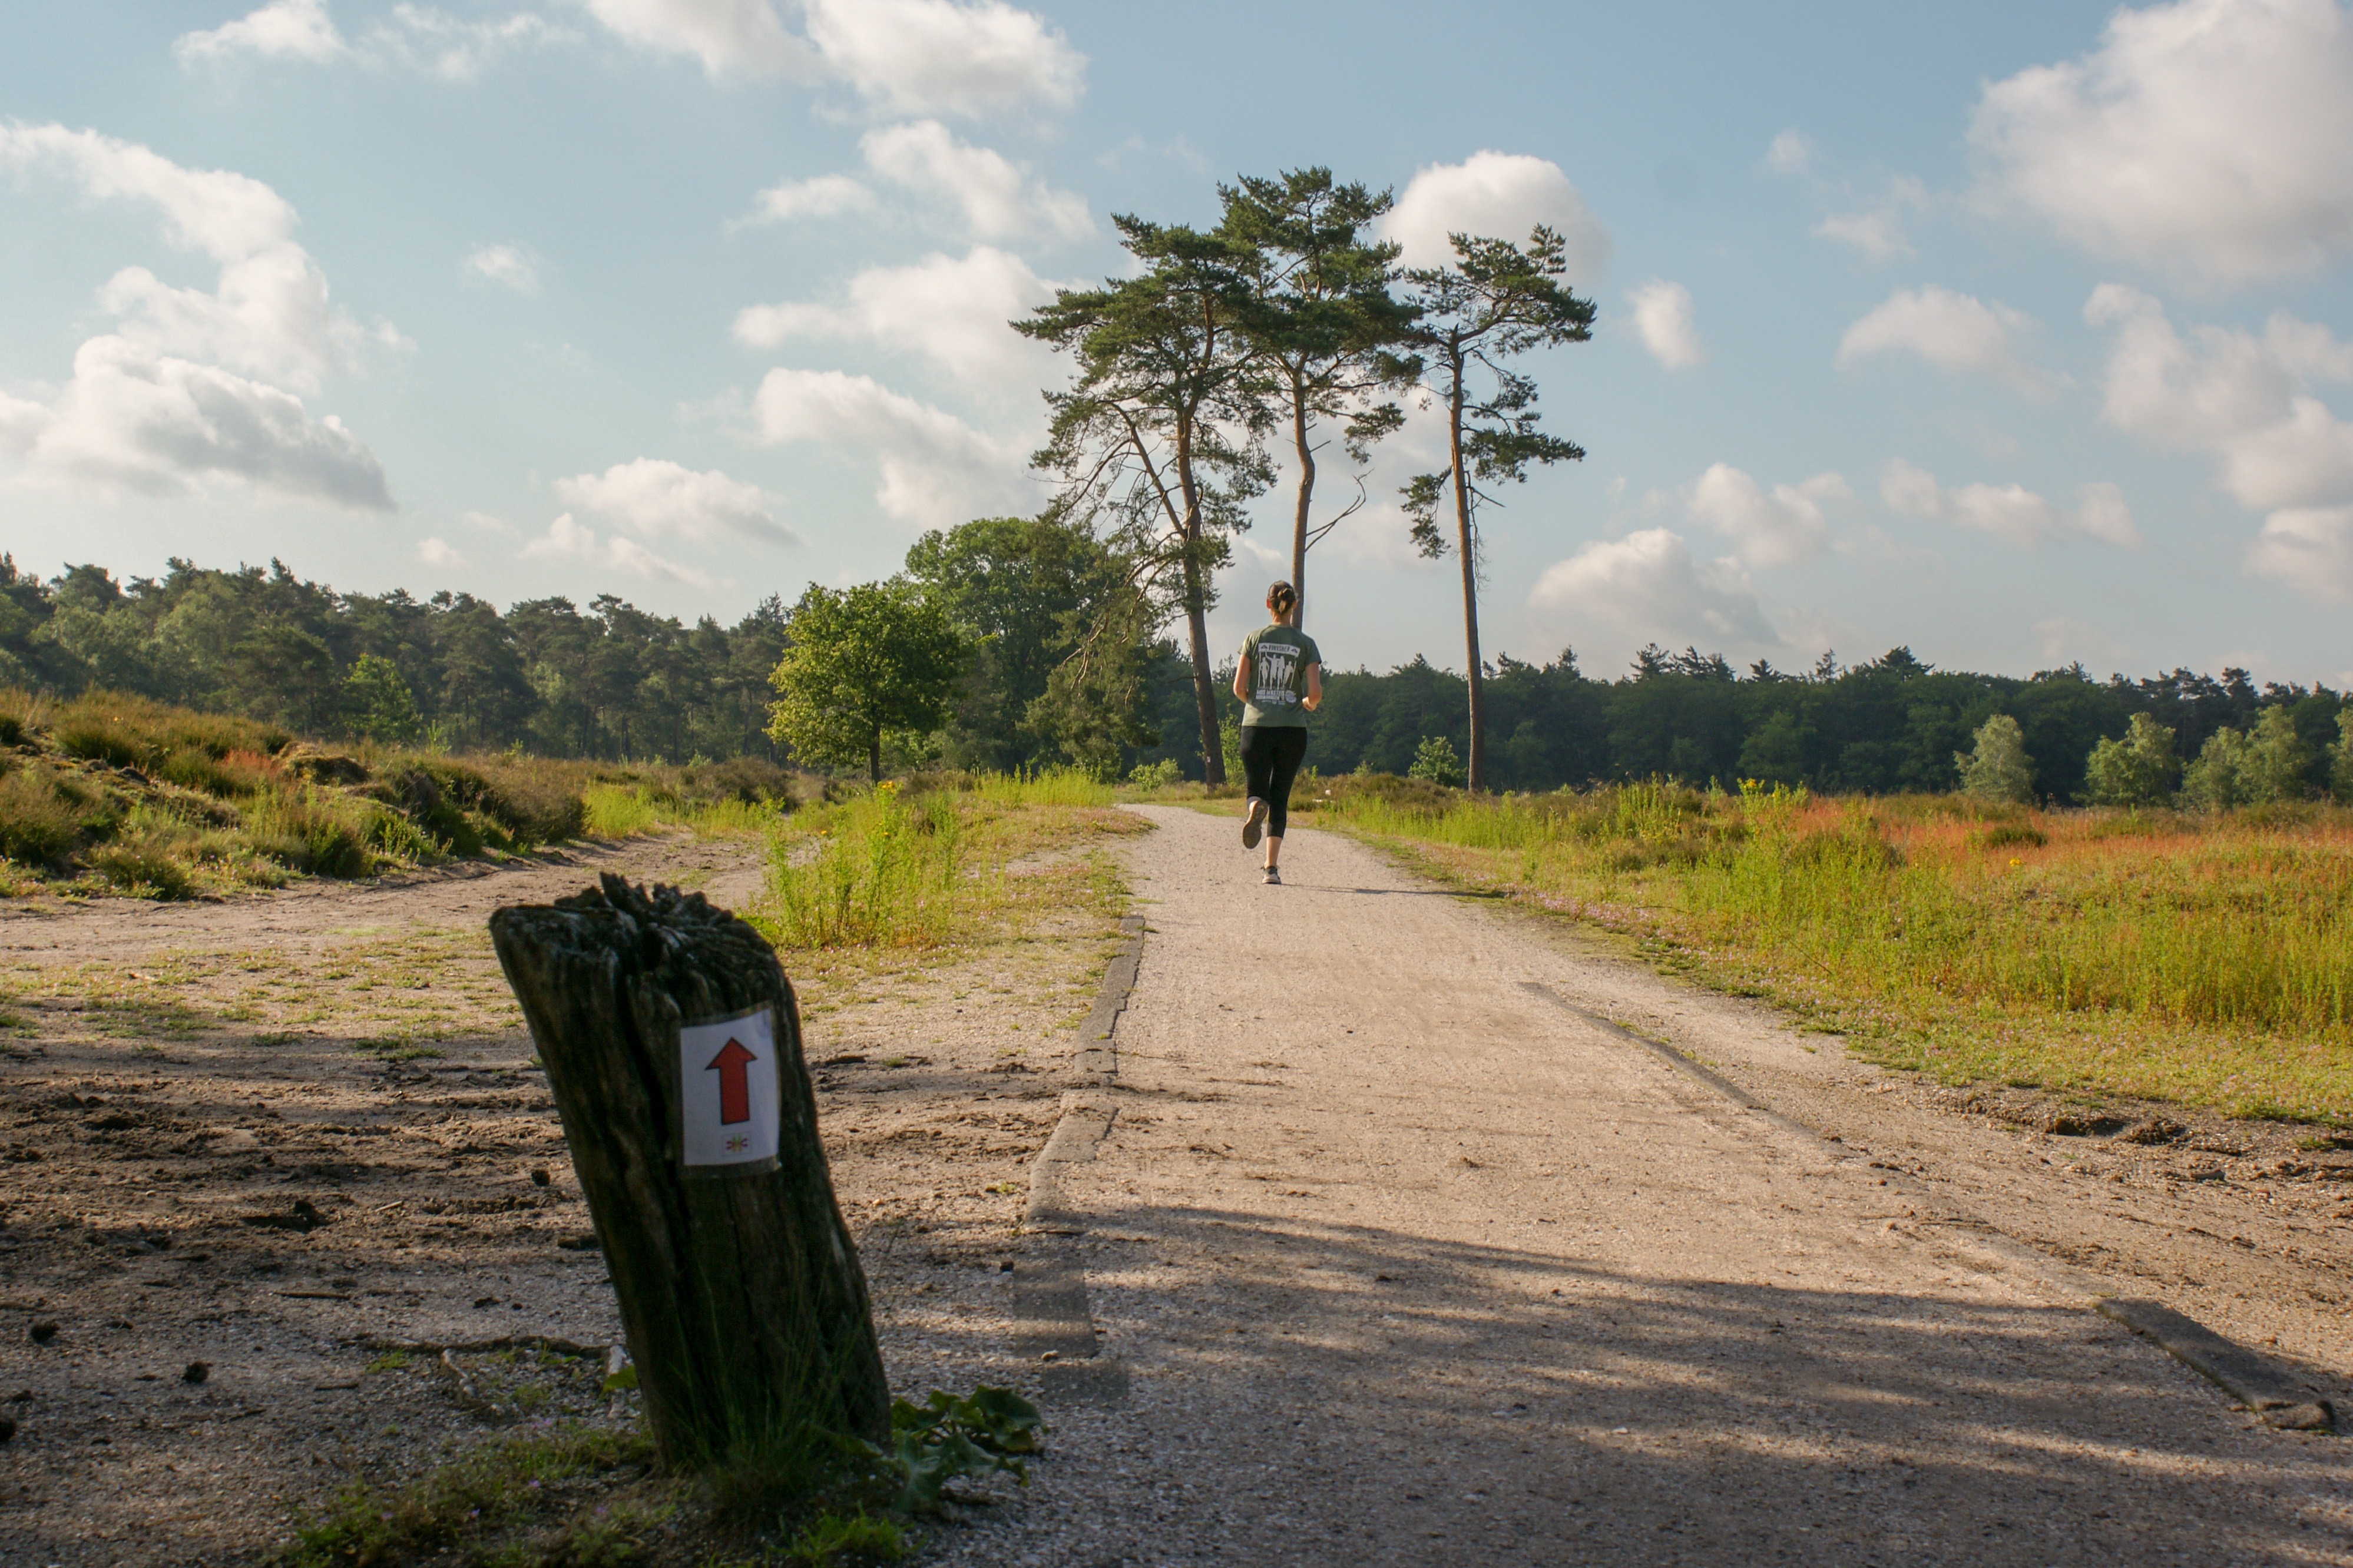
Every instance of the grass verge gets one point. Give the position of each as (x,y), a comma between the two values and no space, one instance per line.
(2203,959)
(117,794)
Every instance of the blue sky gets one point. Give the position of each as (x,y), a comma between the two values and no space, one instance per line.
(2017,333)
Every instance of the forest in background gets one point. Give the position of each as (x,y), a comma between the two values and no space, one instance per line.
(610,681)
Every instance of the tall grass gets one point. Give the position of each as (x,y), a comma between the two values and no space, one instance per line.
(875,872)
(946,859)
(1044,786)
(2206,957)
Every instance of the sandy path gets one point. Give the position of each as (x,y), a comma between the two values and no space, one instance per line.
(1410,1264)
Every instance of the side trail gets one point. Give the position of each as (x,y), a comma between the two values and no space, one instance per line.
(1398,1252)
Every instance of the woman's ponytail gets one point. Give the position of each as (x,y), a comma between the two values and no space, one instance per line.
(1282,598)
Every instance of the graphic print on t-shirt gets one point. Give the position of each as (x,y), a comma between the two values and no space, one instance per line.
(1271,675)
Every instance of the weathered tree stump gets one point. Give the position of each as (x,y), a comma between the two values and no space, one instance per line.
(672,1041)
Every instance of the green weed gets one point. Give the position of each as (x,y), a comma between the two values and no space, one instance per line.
(831,1539)
(464,1506)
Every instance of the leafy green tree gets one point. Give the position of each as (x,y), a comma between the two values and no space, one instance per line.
(1162,427)
(1497,300)
(377,705)
(1323,325)
(1031,594)
(2340,758)
(2216,779)
(2276,760)
(2137,770)
(878,660)
(1435,760)
(1996,768)
(1775,752)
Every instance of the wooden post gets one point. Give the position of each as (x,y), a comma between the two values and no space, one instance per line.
(739,1291)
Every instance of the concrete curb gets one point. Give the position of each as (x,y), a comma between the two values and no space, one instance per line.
(2263,1385)
(2273,1391)
(1053,1324)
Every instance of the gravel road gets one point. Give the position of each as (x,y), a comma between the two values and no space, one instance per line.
(1408,1263)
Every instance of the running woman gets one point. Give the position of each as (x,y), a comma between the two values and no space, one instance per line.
(1280,678)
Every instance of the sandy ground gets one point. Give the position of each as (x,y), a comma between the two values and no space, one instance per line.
(1409,1264)
(1405,1261)
(223,1141)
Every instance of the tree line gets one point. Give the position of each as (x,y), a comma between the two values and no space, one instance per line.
(1027,652)
(547,676)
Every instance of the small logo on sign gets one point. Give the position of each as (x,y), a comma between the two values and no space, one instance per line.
(729,1102)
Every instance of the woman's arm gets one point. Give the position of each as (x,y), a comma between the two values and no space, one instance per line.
(1242,678)
(1314,687)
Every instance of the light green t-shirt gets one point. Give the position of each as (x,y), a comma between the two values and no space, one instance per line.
(1278,657)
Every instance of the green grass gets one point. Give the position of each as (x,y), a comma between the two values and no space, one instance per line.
(905,868)
(127,795)
(2204,958)
(505,1506)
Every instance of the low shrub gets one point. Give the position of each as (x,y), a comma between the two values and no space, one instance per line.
(148,865)
(39,825)
(307,832)
(137,732)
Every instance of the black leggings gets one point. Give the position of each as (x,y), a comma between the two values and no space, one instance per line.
(1270,757)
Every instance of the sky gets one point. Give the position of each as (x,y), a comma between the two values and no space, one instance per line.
(2018,334)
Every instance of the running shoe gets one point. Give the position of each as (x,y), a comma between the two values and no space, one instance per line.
(1253,822)
(1273,876)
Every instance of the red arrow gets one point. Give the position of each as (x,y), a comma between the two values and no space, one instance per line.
(734,1083)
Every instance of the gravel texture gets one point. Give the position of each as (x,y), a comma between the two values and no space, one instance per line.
(1407,1264)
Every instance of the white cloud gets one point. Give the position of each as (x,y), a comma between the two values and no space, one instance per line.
(1649,586)
(454,49)
(567,540)
(163,427)
(2011,511)
(226,215)
(283,29)
(2246,400)
(954,312)
(419,36)
(999,198)
(180,394)
(824,196)
(1878,231)
(935,469)
(2213,138)
(1792,152)
(506,266)
(1662,315)
(1955,332)
(2310,548)
(1783,528)
(937,56)
(1497,195)
(655,496)
(440,554)
(730,38)
(1878,234)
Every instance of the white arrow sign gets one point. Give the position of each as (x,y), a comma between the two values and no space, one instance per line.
(727,1082)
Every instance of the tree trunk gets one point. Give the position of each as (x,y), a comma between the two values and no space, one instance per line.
(1475,766)
(874,758)
(740,1290)
(1205,687)
(1306,496)
(1197,599)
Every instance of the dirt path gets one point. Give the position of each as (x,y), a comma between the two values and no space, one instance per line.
(273,1134)
(1409,1263)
